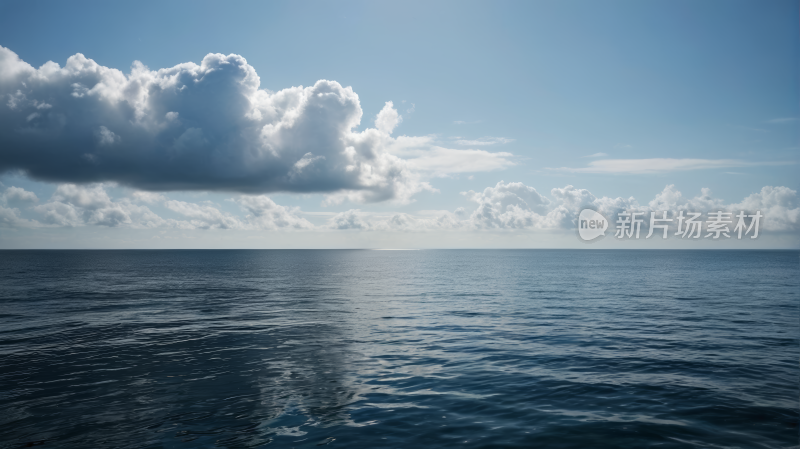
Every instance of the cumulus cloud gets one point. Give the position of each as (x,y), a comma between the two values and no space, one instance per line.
(73,205)
(148,197)
(18,194)
(442,220)
(355,219)
(779,205)
(515,206)
(351,219)
(204,126)
(11,217)
(506,206)
(388,118)
(203,216)
(264,214)
(511,205)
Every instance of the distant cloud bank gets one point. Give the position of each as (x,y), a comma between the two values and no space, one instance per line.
(504,206)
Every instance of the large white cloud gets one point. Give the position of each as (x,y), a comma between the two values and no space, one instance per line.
(779,205)
(205,126)
(512,205)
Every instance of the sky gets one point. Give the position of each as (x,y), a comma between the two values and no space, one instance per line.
(394,124)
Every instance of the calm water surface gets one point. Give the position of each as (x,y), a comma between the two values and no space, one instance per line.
(368,349)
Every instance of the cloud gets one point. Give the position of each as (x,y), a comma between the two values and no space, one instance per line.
(439,161)
(106,137)
(571,200)
(11,217)
(597,155)
(264,214)
(657,165)
(204,126)
(511,206)
(351,219)
(505,206)
(672,200)
(203,216)
(484,141)
(18,194)
(783,120)
(442,220)
(355,219)
(148,197)
(463,122)
(779,205)
(388,118)
(74,205)
(515,206)
(424,156)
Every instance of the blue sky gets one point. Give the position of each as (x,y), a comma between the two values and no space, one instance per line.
(557,93)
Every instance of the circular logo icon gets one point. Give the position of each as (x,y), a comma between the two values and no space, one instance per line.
(591,224)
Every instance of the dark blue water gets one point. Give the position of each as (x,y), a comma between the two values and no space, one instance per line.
(367,349)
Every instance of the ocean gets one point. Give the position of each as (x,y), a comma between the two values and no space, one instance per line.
(397,349)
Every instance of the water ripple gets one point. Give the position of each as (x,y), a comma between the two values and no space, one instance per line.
(561,349)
